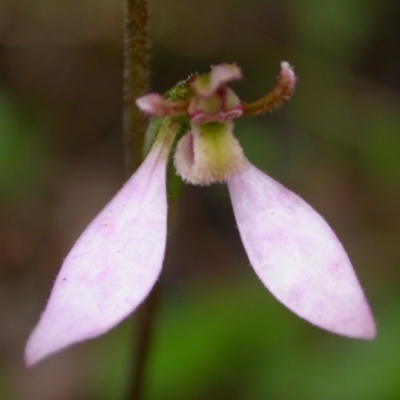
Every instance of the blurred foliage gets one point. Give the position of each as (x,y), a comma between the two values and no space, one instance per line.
(220,335)
(232,341)
(22,149)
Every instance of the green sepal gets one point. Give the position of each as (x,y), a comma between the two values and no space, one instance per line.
(174,181)
(151,133)
(182,91)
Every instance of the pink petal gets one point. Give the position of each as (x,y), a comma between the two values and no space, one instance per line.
(154,104)
(288,78)
(207,84)
(113,265)
(297,256)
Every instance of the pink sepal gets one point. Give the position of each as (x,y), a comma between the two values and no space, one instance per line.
(297,256)
(154,104)
(112,267)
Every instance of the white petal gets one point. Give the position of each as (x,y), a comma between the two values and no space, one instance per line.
(113,265)
(297,255)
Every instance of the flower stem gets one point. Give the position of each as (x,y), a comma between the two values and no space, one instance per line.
(142,349)
(136,74)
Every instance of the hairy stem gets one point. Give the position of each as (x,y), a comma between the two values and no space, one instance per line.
(141,353)
(136,74)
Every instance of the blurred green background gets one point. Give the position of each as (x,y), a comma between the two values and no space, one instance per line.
(220,334)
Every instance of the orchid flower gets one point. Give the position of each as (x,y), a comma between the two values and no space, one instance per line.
(118,258)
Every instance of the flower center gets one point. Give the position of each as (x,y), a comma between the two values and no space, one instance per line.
(208,153)
(223,105)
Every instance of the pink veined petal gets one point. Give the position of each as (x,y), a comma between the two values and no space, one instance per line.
(112,267)
(297,256)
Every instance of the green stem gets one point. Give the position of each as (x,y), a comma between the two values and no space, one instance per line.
(136,74)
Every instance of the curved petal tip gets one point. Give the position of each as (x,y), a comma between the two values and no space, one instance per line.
(297,255)
(111,268)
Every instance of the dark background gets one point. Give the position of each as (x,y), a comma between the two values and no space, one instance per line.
(220,334)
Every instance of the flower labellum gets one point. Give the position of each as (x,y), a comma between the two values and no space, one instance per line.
(116,261)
